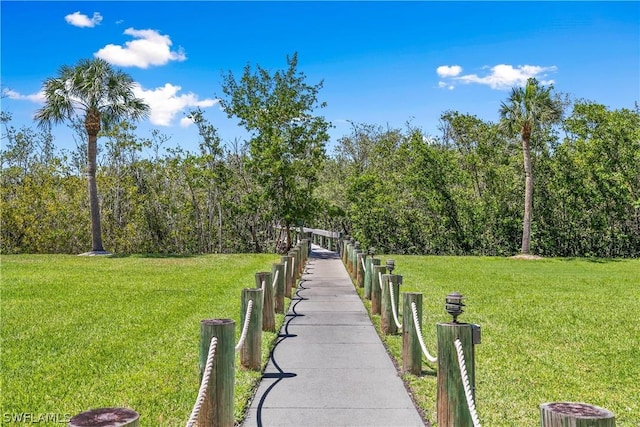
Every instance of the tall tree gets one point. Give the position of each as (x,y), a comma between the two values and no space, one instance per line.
(287,140)
(525,111)
(101,96)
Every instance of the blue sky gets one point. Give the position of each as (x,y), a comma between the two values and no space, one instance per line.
(384,63)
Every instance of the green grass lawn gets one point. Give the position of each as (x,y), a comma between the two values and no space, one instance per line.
(87,332)
(552,330)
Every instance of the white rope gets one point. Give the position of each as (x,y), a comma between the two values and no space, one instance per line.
(380,279)
(293,270)
(204,384)
(264,285)
(429,357)
(275,279)
(364,267)
(393,306)
(465,383)
(245,327)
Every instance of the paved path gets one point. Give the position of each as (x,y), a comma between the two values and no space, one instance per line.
(330,367)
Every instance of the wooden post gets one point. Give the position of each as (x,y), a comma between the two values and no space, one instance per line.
(251,351)
(268,309)
(217,408)
(387,323)
(360,270)
(368,276)
(106,417)
(293,268)
(376,291)
(278,270)
(348,256)
(560,414)
(286,261)
(411,351)
(451,401)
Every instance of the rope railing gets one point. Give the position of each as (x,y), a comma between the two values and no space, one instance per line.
(202,393)
(466,385)
(245,328)
(414,311)
(275,279)
(364,266)
(380,279)
(394,309)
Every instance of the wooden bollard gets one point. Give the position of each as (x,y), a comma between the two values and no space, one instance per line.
(268,306)
(278,270)
(251,351)
(451,401)
(387,322)
(368,276)
(360,270)
(560,414)
(293,268)
(376,291)
(106,417)
(411,351)
(217,408)
(286,262)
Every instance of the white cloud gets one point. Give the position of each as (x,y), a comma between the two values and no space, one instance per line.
(448,70)
(185,122)
(78,19)
(166,103)
(34,97)
(505,76)
(501,76)
(149,48)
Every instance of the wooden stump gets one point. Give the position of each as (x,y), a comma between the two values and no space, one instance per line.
(561,414)
(106,417)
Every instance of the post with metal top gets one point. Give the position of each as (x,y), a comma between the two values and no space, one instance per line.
(251,351)
(217,408)
(411,351)
(452,406)
(268,306)
(376,288)
(390,282)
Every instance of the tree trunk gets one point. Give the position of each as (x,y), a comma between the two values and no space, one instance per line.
(92,126)
(528,196)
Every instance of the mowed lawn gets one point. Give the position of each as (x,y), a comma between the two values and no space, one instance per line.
(87,332)
(552,330)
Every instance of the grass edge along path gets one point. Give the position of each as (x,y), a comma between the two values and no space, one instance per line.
(80,333)
(552,330)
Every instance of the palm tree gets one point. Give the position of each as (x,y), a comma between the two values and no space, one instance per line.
(525,110)
(100,96)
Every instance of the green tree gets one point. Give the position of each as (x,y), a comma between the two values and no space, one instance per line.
(287,140)
(101,96)
(527,109)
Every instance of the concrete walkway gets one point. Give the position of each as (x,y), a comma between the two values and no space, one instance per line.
(329,368)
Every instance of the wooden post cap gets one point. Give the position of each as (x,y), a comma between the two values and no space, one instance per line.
(581,414)
(105,417)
